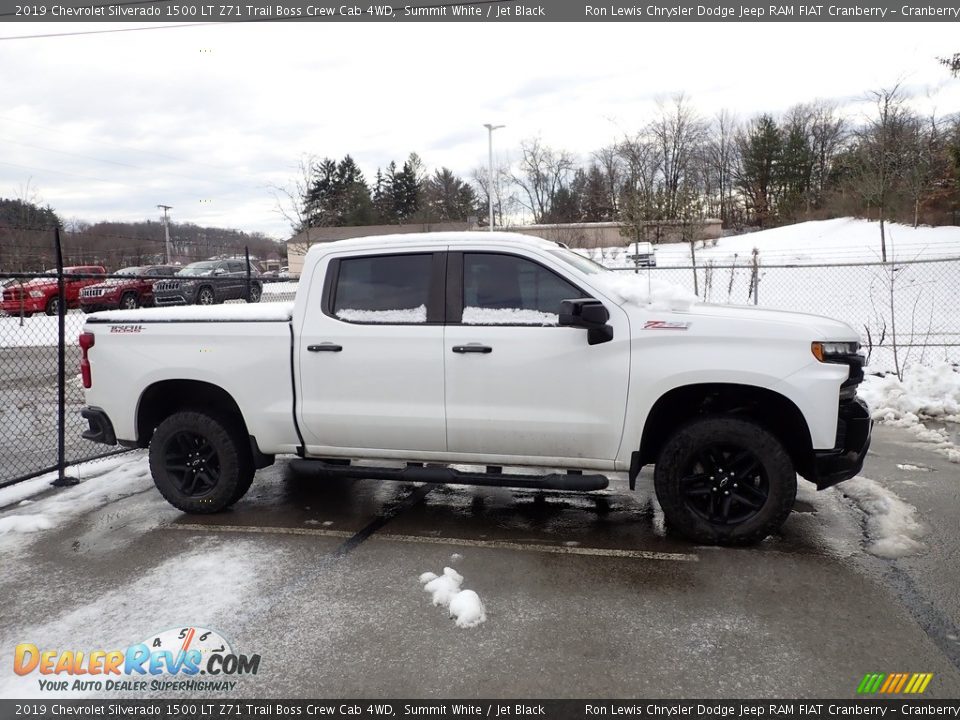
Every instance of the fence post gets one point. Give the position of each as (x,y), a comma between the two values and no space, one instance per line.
(246,254)
(61,480)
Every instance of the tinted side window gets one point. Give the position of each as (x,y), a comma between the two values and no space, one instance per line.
(383,289)
(506,289)
(235,267)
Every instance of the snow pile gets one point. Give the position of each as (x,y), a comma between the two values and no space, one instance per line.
(642,290)
(277,311)
(507,316)
(464,605)
(892,527)
(39,330)
(403,315)
(271,290)
(100,482)
(924,392)
(24,524)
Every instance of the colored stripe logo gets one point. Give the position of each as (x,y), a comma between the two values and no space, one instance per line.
(894,683)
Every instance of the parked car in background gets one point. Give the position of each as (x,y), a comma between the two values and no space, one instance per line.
(643,254)
(125,293)
(40,294)
(209,282)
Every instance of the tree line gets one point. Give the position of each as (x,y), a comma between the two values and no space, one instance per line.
(812,162)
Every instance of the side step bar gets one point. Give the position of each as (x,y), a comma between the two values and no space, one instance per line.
(449,476)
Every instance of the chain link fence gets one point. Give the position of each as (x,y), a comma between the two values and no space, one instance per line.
(41,316)
(905,312)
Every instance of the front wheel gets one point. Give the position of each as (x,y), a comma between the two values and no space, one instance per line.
(129,302)
(725,481)
(53,306)
(200,463)
(205,296)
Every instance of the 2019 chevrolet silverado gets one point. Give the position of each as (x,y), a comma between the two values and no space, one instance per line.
(421,352)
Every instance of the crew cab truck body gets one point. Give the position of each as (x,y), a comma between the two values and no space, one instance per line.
(488,349)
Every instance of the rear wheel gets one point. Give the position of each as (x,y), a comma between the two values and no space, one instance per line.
(255,293)
(201,463)
(53,306)
(725,481)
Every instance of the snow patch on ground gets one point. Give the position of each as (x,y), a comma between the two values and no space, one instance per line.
(39,330)
(928,392)
(642,290)
(912,468)
(101,482)
(924,393)
(464,605)
(892,527)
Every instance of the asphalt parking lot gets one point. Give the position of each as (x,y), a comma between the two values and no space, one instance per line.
(585,595)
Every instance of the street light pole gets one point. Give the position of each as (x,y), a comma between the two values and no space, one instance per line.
(166,232)
(490,128)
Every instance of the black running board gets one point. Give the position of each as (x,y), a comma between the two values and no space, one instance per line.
(449,476)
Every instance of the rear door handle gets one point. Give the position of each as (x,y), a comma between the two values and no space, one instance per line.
(472,349)
(325,347)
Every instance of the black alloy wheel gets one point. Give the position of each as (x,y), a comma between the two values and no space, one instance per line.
(724,484)
(192,462)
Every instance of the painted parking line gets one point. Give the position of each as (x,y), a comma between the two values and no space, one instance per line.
(459,542)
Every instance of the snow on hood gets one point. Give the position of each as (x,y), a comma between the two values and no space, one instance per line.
(643,290)
(276,311)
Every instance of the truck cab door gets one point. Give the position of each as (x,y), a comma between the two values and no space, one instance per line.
(519,385)
(369,358)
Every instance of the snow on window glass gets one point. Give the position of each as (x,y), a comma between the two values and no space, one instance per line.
(403,315)
(506,316)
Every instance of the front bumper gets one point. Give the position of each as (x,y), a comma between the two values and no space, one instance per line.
(854,427)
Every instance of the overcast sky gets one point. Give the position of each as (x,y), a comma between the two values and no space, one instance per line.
(207,119)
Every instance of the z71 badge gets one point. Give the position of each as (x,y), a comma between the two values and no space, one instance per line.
(666,325)
(126,328)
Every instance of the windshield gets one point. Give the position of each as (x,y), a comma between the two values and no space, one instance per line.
(200,268)
(584,265)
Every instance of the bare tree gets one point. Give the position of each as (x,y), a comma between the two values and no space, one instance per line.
(828,135)
(542,173)
(611,165)
(503,201)
(881,153)
(677,135)
(720,154)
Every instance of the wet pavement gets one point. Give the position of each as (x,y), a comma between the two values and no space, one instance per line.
(585,595)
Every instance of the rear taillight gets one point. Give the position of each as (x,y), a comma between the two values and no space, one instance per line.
(86,342)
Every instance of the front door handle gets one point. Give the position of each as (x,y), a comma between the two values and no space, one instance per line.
(472,349)
(325,347)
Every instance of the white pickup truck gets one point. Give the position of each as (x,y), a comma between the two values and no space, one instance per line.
(426,351)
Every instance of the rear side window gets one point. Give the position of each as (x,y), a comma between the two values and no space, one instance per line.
(383,289)
(511,290)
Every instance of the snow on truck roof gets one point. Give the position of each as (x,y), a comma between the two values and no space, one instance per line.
(432,238)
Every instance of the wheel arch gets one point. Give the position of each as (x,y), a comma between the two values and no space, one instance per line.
(165,397)
(773,410)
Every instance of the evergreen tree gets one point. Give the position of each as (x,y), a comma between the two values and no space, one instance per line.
(760,153)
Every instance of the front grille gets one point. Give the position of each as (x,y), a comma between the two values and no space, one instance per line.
(163,285)
(855,361)
(92,292)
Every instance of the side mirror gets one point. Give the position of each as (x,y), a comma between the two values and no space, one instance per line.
(587,313)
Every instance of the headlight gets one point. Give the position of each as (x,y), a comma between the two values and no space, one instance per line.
(833,351)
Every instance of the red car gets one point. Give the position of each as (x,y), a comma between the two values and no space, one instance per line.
(40,294)
(122,293)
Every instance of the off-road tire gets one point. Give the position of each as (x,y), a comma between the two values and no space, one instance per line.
(683,492)
(218,485)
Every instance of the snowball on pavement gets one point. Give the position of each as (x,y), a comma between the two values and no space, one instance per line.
(467,609)
(464,605)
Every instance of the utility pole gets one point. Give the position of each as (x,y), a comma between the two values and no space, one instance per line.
(490,128)
(166,233)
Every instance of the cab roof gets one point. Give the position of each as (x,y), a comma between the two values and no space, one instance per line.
(438,239)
